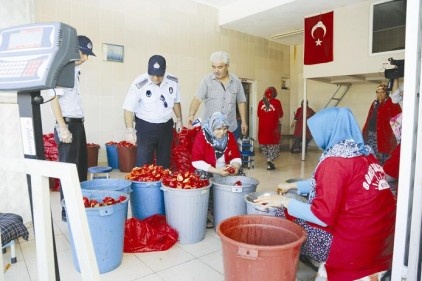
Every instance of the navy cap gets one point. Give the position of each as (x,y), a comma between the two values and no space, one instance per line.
(157,65)
(85,45)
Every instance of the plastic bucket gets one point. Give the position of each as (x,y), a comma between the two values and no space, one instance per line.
(257,247)
(228,198)
(108,184)
(106,225)
(92,154)
(186,211)
(127,158)
(146,199)
(112,156)
(253,209)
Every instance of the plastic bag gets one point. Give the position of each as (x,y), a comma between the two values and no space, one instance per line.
(148,235)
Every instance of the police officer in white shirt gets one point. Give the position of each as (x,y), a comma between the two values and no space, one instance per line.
(69,131)
(150,102)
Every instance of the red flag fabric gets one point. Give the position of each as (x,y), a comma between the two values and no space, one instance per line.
(318,41)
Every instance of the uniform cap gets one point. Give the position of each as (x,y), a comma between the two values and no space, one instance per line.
(85,45)
(157,65)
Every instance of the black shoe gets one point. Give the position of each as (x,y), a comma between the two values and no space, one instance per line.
(64,217)
(304,259)
(270,165)
(210,224)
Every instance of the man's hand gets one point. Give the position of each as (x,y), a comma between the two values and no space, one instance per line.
(64,134)
(179,125)
(190,121)
(131,135)
(244,128)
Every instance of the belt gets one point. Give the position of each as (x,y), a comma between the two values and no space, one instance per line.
(73,120)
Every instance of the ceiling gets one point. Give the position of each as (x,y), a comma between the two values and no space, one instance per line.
(280,17)
(267,19)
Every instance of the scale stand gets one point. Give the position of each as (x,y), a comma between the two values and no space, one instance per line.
(33,143)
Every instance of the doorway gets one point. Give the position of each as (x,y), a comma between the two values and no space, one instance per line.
(250,93)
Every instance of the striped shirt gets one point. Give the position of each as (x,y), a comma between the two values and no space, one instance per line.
(216,97)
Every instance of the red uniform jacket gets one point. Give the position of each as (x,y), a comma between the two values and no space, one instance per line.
(268,128)
(202,149)
(386,140)
(357,205)
(299,122)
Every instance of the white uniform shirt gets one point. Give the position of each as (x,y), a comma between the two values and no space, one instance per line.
(69,98)
(150,102)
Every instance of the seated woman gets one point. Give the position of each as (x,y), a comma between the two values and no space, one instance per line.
(351,210)
(215,150)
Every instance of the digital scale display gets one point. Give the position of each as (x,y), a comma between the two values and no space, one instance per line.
(38,56)
(26,39)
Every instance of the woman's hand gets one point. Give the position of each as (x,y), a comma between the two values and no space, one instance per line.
(223,171)
(272,200)
(284,187)
(233,169)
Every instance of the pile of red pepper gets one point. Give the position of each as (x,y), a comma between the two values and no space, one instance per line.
(50,147)
(147,173)
(107,201)
(124,144)
(181,149)
(51,153)
(92,145)
(184,180)
(112,143)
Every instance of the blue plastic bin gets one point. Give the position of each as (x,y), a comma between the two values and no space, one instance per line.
(106,225)
(146,199)
(108,184)
(112,156)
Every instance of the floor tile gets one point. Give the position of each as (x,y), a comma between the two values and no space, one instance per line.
(161,260)
(202,261)
(194,270)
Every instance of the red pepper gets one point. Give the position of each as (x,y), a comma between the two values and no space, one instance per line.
(230,170)
(238,183)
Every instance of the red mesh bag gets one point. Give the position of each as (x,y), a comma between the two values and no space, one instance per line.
(148,235)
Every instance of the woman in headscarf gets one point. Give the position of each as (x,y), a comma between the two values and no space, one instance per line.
(215,150)
(377,131)
(269,113)
(349,201)
(298,125)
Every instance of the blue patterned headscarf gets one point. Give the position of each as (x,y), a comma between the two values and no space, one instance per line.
(335,124)
(215,121)
(336,131)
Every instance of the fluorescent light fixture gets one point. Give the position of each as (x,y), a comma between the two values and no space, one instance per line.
(287,34)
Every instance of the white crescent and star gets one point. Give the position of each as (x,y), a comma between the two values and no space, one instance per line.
(319,24)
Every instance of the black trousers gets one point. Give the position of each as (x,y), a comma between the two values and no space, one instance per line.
(74,152)
(154,138)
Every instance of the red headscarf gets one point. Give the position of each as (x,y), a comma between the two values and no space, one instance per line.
(270,93)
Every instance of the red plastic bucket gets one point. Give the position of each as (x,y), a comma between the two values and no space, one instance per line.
(127,158)
(259,247)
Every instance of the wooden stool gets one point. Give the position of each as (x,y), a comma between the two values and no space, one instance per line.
(96,170)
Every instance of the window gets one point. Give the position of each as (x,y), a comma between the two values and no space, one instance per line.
(388,26)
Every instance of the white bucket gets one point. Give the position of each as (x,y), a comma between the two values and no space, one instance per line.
(186,211)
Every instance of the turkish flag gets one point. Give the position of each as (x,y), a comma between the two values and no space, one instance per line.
(319,39)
